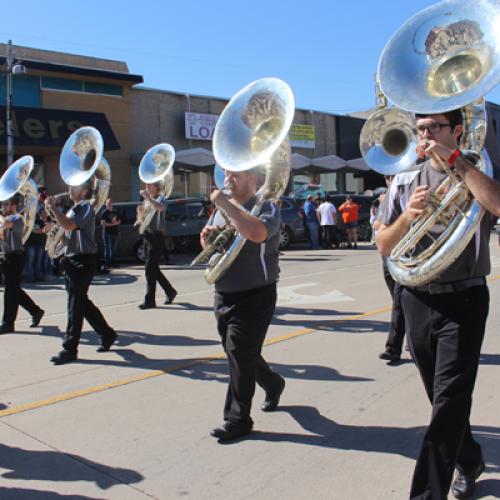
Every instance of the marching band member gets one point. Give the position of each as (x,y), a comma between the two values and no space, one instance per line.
(12,248)
(446,318)
(79,266)
(245,299)
(154,236)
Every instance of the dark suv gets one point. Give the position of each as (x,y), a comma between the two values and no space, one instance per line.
(185,218)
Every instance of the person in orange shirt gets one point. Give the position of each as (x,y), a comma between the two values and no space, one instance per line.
(349,211)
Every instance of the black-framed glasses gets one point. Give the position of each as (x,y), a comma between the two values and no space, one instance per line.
(433,128)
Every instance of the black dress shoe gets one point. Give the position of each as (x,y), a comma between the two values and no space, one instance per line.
(145,305)
(4,328)
(390,356)
(464,484)
(63,357)
(272,400)
(229,431)
(107,342)
(170,298)
(35,319)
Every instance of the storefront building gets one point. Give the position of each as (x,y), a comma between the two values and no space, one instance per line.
(62,92)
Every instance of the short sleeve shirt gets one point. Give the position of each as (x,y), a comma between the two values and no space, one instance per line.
(327,212)
(349,212)
(82,239)
(108,216)
(475,259)
(257,264)
(158,221)
(12,241)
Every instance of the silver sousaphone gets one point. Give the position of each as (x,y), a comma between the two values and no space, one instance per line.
(81,160)
(251,132)
(445,57)
(16,179)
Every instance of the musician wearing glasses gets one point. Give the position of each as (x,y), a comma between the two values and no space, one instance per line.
(154,244)
(446,318)
(79,265)
(11,233)
(245,299)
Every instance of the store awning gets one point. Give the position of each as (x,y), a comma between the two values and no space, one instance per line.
(358,164)
(300,161)
(195,157)
(329,162)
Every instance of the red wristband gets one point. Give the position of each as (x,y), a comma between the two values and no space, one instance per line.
(453,157)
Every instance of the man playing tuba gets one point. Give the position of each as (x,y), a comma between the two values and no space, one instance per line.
(245,299)
(11,233)
(446,318)
(79,266)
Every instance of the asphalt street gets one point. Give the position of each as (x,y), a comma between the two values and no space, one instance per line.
(134,423)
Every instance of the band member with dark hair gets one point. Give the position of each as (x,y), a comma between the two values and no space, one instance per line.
(245,299)
(11,233)
(446,318)
(154,244)
(79,265)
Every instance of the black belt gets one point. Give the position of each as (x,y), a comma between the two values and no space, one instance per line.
(455,286)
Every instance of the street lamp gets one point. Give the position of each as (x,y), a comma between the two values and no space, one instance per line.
(10,70)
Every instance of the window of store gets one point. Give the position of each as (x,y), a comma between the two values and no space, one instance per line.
(66,84)
(26,91)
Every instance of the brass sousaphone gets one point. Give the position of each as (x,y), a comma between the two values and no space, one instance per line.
(445,57)
(16,179)
(251,132)
(81,160)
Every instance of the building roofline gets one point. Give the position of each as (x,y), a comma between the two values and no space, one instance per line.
(201,96)
(78,70)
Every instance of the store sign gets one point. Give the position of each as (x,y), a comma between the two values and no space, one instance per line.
(199,126)
(302,136)
(51,127)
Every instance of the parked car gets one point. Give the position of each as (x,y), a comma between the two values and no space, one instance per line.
(364,202)
(292,224)
(185,218)
(302,192)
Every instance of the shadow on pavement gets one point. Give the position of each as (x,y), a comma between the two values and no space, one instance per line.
(127,338)
(54,466)
(25,494)
(217,371)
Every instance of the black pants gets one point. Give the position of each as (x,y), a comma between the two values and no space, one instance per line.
(78,273)
(154,246)
(242,320)
(330,236)
(396,334)
(14,295)
(445,333)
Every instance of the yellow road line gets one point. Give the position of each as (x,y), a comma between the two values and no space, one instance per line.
(182,366)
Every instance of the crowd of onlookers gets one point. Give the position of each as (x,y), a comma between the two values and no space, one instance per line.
(328,226)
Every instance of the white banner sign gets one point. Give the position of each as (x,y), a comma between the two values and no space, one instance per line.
(199,126)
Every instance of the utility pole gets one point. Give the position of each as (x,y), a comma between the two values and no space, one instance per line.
(10,135)
(11,69)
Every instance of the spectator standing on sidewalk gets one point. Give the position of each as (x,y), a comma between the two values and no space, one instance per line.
(350,214)
(311,220)
(327,216)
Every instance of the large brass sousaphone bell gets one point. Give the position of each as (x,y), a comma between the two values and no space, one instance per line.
(156,167)
(81,160)
(251,132)
(446,57)
(16,179)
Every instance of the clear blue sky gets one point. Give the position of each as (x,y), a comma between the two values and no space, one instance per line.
(327,50)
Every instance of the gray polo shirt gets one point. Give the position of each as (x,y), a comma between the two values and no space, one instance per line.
(12,241)
(475,259)
(81,240)
(158,221)
(258,263)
